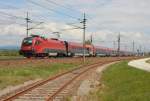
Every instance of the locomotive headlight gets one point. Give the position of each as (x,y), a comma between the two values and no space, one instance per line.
(33,50)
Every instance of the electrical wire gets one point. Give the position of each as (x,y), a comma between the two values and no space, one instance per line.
(60,5)
(10,15)
(50,9)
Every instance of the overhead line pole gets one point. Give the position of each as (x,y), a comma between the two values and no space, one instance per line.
(114,43)
(133,46)
(119,44)
(91,38)
(140,48)
(27,22)
(84,29)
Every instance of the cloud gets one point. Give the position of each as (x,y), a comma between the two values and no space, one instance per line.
(105,19)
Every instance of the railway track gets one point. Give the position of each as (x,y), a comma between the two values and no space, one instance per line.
(55,88)
(19,62)
(23,58)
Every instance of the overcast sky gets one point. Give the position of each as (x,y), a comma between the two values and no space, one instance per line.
(105,20)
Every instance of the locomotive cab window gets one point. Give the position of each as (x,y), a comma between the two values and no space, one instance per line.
(37,42)
(27,41)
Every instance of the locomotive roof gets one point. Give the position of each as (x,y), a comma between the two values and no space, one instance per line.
(75,43)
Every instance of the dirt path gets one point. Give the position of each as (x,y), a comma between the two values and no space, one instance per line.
(140,64)
(90,84)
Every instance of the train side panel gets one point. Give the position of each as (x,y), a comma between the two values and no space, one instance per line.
(50,47)
(39,46)
(76,49)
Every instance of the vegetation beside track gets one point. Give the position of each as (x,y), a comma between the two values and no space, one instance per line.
(123,83)
(15,76)
(17,72)
(148,61)
(9,54)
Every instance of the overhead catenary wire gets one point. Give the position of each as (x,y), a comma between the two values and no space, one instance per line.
(8,6)
(63,6)
(22,18)
(70,29)
(17,17)
(71,9)
(10,15)
(39,5)
(7,22)
(14,7)
(22,25)
(67,8)
(53,10)
(10,21)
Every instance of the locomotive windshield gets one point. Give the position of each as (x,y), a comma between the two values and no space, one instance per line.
(27,41)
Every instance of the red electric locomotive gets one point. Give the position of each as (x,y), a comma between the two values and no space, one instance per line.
(40,46)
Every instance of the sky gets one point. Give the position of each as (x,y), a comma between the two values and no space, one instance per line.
(105,20)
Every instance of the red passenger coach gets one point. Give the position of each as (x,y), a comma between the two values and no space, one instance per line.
(75,49)
(91,50)
(102,51)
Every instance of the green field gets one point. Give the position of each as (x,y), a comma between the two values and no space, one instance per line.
(9,54)
(17,72)
(123,83)
(14,76)
(148,61)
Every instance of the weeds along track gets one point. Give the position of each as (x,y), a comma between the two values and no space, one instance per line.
(19,62)
(11,63)
(55,88)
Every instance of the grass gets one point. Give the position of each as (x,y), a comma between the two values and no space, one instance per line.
(14,76)
(148,61)
(9,54)
(17,72)
(11,57)
(14,73)
(123,83)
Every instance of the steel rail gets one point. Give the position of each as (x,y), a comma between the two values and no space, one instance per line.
(32,86)
(51,97)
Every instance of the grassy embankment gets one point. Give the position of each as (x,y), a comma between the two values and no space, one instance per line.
(148,61)
(9,54)
(123,83)
(17,73)
(14,76)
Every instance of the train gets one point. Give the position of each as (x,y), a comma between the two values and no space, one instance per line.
(37,46)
